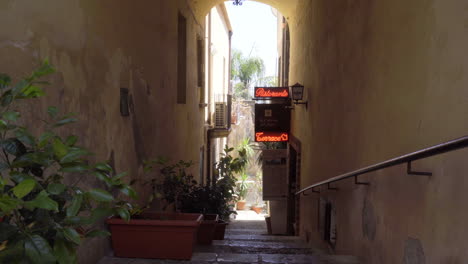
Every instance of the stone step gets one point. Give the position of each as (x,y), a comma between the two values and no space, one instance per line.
(253,237)
(256,247)
(240,231)
(213,258)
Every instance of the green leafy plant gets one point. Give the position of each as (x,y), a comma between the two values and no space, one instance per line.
(243,186)
(44,218)
(174,182)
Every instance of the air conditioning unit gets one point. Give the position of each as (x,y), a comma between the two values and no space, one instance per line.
(220,115)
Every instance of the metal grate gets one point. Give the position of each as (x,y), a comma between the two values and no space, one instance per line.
(220,115)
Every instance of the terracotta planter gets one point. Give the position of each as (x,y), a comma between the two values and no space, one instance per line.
(207,229)
(156,235)
(1,219)
(240,205)
(220,230)
(257,209)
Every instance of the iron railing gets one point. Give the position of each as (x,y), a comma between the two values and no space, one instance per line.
(408,158)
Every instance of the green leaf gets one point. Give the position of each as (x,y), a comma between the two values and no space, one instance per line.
(5,81)
(74,155)
(8,204)
(42,201)
(52,111)
(3,125)
(32,91)
(11,115)
(100,195)
(23,161)
(43,70)
(103,167)
(13,146)
(6,99)
(38,250)
(65,121)
(44,138)
(64,252)
(72,235)
(120,175)
(24,188)
(60,149)
(18,177)
(124,214)
(25,137)
(75,205)
(97,233)
(71,140)
(103,177)
(127,190)
(74,167)
(56,188)
(20,86)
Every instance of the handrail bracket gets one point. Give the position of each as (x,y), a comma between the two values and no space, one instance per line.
(358,182)
(331,188)
(409,171)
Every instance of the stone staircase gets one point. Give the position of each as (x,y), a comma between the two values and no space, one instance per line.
(247,242)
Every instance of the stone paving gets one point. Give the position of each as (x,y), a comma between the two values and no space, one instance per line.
(246,241)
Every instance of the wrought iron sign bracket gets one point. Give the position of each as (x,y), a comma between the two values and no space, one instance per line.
(409,171)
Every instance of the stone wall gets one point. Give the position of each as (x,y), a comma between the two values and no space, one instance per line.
(384,78)
(97,48)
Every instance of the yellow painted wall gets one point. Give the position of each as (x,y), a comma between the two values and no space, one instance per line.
(99,47)
(384,78)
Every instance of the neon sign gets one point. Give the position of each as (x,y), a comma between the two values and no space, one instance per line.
(272,92)
(271,137)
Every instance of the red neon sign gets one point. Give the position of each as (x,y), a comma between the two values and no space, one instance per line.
(271,137)
(272,92)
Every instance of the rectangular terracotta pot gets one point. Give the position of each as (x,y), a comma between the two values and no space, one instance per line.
(207,229)
(156,235)
(220,230)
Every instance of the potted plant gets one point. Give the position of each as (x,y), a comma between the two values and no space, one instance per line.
(258,184)
(242,189)
(163,235)
(45,216)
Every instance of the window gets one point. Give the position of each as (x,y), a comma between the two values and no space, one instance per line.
(182,60)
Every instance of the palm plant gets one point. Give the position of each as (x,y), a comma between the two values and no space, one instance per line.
(247,70)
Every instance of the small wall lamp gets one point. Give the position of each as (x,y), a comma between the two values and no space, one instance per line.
(297,92)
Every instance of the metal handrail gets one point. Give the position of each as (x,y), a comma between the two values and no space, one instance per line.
(408,158)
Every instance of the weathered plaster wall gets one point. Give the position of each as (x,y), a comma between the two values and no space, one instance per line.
(385,78)
(99,47)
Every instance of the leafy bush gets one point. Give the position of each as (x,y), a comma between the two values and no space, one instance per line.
(175,181)
(44,219)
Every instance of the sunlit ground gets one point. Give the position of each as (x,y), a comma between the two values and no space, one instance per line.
(249,215)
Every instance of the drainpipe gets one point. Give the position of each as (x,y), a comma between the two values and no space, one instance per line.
(229,95)
(210,101)
(208,157)
(210,71)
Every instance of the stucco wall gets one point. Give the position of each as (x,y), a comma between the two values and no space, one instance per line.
(99,47)
(384,78)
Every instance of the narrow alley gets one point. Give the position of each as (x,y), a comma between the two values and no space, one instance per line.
(247,241)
